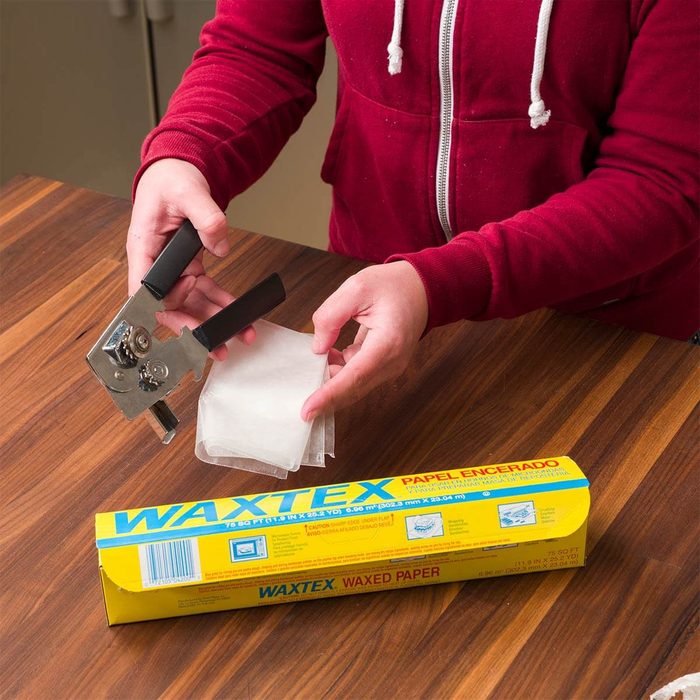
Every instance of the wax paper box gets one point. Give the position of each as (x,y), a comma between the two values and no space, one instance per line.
(357,537)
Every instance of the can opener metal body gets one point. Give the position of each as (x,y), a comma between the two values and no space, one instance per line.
(137,369)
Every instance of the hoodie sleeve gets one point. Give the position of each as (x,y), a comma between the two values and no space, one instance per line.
(248,88)
(636,209)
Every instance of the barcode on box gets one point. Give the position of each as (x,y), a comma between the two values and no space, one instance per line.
(164,563)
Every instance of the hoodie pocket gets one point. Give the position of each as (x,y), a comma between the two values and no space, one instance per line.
(379,163)
(501,167)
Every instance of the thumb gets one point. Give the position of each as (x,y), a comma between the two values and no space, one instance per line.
(333,314)
(209,221)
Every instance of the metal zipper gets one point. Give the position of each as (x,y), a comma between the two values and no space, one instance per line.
(442,174)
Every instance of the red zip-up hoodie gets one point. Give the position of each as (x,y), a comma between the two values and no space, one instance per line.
(516,158)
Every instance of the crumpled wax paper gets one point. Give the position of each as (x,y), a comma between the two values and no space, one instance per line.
(686,687)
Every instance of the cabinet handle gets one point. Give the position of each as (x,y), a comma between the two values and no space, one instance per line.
(159,10)
(120,8)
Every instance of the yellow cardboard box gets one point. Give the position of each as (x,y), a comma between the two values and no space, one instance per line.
(371,535)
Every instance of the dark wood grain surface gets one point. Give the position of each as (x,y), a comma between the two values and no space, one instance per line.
(624,405)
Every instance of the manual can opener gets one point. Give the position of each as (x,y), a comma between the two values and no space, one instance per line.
(139,370)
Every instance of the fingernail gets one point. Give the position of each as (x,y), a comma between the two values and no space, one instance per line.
(221,248)
(307,414)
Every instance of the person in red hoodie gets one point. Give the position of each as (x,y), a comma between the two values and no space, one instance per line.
(505,155)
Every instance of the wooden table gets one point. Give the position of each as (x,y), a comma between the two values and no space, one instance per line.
(624,405)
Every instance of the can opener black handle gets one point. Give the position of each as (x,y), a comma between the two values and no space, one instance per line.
(180,251)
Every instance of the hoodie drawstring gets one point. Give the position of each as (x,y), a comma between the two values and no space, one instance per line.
(394,48)
(539,115)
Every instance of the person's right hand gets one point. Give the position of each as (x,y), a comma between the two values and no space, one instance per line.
(169,192)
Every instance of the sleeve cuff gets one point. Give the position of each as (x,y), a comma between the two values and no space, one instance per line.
(456,277)
(182,146)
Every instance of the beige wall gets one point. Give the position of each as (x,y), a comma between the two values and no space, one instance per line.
(76,100)
(290,201)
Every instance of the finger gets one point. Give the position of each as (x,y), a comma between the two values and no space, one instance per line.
(351,351)
(220,353)
(208,219)
(143,242)
(366,370)
(180,291)
(213,291)
(360,335)
(334,313)
(200,306)
(176,320)
(139,264)
(335,357)
(334,369)
(247,335)
(191,313)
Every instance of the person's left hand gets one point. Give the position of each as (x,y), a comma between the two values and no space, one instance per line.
(390,304)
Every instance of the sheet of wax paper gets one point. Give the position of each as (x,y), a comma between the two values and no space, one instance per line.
(249,409)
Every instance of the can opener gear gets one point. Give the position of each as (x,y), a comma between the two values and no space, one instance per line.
(137,369)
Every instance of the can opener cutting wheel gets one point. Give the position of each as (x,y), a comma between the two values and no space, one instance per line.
(139,370)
